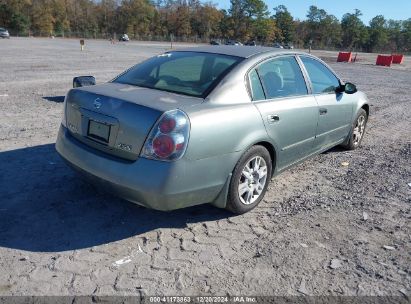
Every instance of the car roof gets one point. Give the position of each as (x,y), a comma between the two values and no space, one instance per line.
(234,50)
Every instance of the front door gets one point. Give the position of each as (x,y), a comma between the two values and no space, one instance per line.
(334,109)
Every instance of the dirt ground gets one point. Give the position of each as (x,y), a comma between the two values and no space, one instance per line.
(321,229)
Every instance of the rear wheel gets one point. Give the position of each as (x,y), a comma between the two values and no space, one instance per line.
(357,131)
(250,180)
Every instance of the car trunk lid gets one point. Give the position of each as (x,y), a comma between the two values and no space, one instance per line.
(116,118)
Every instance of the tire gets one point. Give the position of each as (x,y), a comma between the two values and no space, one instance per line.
(255,186)
(357,131)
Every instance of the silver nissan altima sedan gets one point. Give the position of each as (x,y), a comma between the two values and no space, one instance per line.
(207,125)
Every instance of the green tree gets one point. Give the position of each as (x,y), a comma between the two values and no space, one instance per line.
(182,25)
(354,32)
(322,29)
(136,17)
(394,34)
(42,17)
(14,15)
(331,31)
(61,22)
(246,19)
(244,13)
(301,35)
(406,35)
(106,16)
(265,30)
(285,24)
(208,18)
(378,34)
(226,25)
(315,16)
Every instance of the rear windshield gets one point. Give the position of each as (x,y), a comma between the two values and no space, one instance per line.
(189,73)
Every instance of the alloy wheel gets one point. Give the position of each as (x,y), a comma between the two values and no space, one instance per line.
(358,130)
(252,181)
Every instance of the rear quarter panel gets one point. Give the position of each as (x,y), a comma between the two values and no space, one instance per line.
(218,129)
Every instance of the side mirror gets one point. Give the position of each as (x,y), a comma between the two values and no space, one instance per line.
(347,88)
(83,81)
(350,88)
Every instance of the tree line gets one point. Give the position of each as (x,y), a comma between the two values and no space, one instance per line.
(192,20)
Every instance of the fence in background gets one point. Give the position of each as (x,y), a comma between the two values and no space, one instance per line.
(171,38)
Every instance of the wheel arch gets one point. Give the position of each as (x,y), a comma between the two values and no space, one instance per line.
(273,153)
(361,102)
(366,107)
(221,199)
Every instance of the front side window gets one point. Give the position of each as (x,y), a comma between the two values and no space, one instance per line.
(322,79)
(282,77)
(188,73)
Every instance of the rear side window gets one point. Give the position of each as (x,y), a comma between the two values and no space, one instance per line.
(322,79)
(256,87)
(281,77)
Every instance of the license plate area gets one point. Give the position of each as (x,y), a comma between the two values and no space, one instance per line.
(98,131)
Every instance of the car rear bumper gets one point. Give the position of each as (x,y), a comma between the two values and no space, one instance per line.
(151,183)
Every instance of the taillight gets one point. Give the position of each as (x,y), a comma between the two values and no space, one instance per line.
(169,138)
(167,124)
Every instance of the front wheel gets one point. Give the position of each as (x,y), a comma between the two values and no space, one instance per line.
(357,131)
(250,180)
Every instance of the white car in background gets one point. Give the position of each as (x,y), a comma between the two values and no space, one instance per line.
(4,33)
(124,37)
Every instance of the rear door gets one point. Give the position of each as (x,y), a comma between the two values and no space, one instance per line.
(335,109)
(290,114)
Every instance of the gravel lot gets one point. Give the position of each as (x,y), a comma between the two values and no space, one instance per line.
(321,229)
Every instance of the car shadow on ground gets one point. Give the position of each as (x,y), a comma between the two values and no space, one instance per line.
(54,98)
(46,207)
(336,149)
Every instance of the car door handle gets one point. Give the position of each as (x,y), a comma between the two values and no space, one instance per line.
(273,118)
(323,111)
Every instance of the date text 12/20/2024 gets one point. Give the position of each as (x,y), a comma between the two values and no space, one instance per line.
(200,299)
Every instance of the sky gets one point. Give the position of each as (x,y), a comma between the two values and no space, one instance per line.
(397,9)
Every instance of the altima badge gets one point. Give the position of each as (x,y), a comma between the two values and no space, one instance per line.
(97,103)
(124,147)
